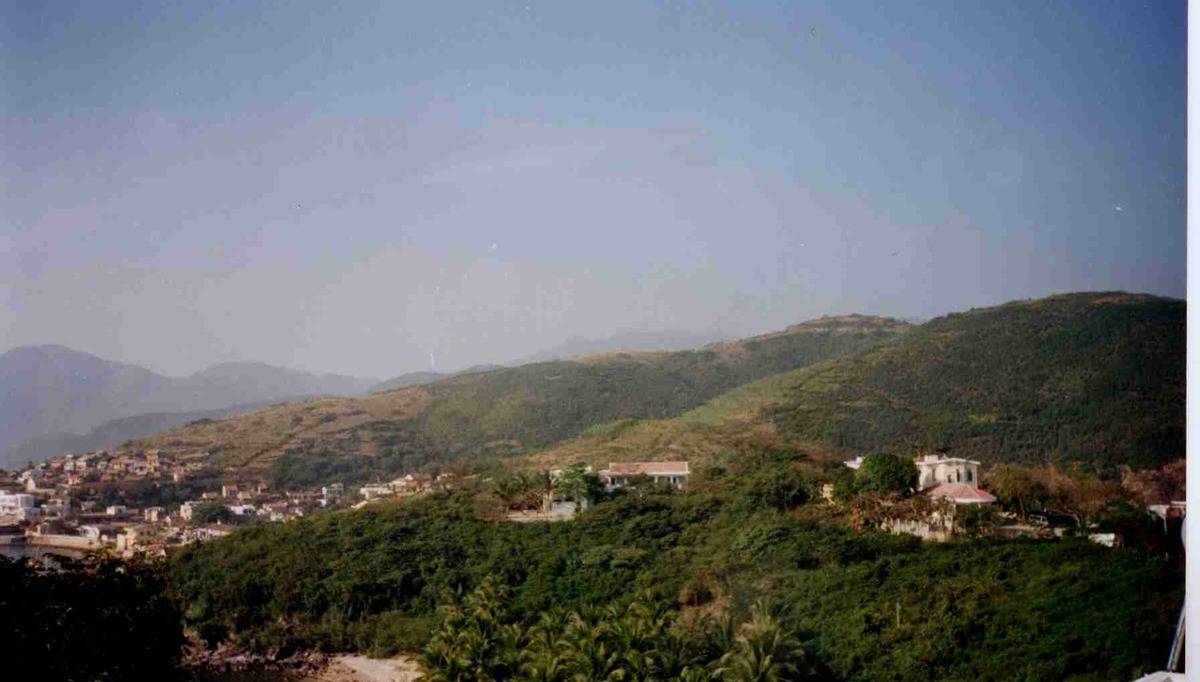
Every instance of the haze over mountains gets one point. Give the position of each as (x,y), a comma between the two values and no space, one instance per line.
(57,395)
(55,400)
(1094,378)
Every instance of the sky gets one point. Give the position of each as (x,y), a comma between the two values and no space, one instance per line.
(376,188)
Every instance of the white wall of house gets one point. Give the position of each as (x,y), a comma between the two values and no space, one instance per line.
(935,470)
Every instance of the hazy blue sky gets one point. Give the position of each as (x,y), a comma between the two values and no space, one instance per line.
(351,187)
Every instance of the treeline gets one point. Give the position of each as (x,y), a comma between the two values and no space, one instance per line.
(861,605)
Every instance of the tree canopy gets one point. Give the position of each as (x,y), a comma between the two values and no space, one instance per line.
(885,473)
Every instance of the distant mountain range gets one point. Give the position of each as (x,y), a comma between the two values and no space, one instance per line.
(55,399)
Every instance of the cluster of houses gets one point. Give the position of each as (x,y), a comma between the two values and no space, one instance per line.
(96,469)
(409,485)
(54,503)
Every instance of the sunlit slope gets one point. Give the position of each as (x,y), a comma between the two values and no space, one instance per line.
(1094,378)
(515,410)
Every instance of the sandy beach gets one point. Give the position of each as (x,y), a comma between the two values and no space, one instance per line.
(356,668)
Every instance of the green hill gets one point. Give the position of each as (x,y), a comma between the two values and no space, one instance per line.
(502,412)
(1094,378)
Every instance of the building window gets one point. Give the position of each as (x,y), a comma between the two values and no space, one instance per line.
(969,475)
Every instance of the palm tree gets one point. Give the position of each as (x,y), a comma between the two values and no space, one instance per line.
(672,656)
(510,489)
(593,660)
(762,652)
(546,665)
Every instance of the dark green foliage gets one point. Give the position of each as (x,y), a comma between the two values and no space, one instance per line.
(991,610)
(211,511)
(995,609)
(1093,378)
(144,493)
(350,567)
(402,449)
(580,485)
(781,488)
(477,639)
(95,619)
(885,473)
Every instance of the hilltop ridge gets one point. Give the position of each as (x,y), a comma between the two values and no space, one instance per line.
(502,412)
(1094,378)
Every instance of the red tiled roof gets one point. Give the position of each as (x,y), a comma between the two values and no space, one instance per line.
(661,468)
(959,492)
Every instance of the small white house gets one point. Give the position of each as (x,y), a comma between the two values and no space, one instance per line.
(935,469)
(20,505)
(618,473)
(375,490)
(186,509)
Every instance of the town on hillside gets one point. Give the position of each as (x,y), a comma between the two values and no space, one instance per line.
(151,503)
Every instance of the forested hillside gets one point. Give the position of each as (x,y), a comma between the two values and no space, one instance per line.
(1094,378)
(1091,378)
(503,412)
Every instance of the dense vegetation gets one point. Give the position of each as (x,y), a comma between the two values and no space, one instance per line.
(95,619)
(1094,378)
(513,410)
(859,605)
(476,639)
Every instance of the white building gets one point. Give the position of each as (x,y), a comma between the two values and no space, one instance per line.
(618,473)
(185,509)
(20,505)
(936,469)
(374,490)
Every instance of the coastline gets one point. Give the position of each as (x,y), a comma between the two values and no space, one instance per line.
(359,668)
(306,666)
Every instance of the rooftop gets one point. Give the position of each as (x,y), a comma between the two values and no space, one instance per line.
(959,492)
(648,468)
